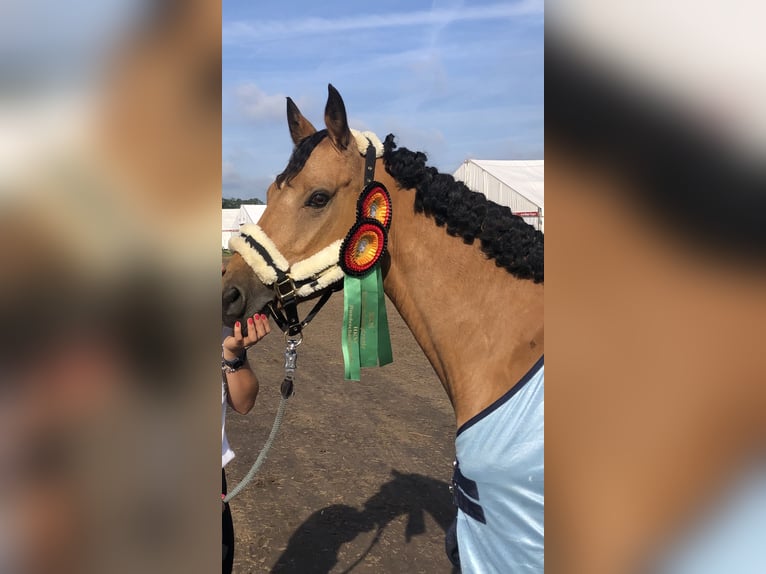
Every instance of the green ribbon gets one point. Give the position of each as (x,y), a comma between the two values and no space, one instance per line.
(366,341)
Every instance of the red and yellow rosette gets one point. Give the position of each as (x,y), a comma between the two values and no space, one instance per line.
(365,339)
(363,247)
(375,203)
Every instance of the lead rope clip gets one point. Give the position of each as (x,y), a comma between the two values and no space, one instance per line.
(291,362)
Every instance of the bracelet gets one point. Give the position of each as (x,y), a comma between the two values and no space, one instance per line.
(235,364)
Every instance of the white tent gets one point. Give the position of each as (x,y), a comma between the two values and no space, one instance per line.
(250,213)
(231,219)
(229,225)
(518,184)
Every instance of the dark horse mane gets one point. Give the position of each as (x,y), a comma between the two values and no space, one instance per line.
(300,156)
(514,245)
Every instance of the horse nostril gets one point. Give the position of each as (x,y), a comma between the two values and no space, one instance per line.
(233,302)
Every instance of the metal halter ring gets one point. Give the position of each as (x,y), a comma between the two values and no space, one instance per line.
(296,339)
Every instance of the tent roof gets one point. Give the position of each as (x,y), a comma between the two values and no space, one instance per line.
(254,212)
(526,177)
(229,218)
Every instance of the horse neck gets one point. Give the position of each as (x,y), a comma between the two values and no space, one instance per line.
(480,327)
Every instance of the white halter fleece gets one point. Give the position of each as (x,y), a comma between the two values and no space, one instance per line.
(323,265)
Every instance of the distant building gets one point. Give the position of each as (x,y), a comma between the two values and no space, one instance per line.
(250,213)
(518,184)
(229,225)
(231,219)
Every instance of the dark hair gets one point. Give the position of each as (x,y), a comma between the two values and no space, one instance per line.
(514,245)
(300,156)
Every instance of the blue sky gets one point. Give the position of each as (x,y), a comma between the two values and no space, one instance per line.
(456,79)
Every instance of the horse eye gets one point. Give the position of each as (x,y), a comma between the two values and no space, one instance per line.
(318,199)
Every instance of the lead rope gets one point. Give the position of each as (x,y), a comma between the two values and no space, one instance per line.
(286,390)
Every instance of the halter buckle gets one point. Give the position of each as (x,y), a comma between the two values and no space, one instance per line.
(285,289)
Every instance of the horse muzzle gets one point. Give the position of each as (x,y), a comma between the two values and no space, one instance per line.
(242,295)
(266,277)
(233,303)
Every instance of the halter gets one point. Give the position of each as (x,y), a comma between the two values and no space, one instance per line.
(320,272)
(304,278)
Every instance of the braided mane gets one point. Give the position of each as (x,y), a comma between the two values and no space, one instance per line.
(515,245)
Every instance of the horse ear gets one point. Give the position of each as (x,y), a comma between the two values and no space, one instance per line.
(335,119)
(300,127)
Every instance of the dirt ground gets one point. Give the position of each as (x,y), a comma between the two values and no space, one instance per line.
(358,477)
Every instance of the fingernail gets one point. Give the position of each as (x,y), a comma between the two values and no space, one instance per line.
(237,324)
(263,317)
(250,320)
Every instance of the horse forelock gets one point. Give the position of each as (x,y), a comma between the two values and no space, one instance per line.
(300,156)
(515,245)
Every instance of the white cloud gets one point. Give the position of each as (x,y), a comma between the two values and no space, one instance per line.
(415,137)
(258,105)
(243,31)
(235,184)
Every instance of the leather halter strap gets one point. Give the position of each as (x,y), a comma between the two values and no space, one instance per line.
(289,322)
(369,164)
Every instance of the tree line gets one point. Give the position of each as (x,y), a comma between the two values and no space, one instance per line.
(231,203)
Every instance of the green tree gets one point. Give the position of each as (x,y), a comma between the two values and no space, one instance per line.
(232,203)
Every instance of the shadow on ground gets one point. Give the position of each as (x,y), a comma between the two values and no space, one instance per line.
(315,544)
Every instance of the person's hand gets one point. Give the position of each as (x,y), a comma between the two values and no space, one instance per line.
(257,328)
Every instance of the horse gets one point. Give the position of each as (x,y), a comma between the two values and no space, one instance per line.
(467,277)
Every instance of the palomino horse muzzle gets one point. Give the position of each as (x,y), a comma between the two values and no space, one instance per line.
(323,271)
(320,272)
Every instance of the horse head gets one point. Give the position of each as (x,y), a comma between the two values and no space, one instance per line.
(310,207)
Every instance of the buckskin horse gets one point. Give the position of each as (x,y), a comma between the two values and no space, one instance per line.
(467,277)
